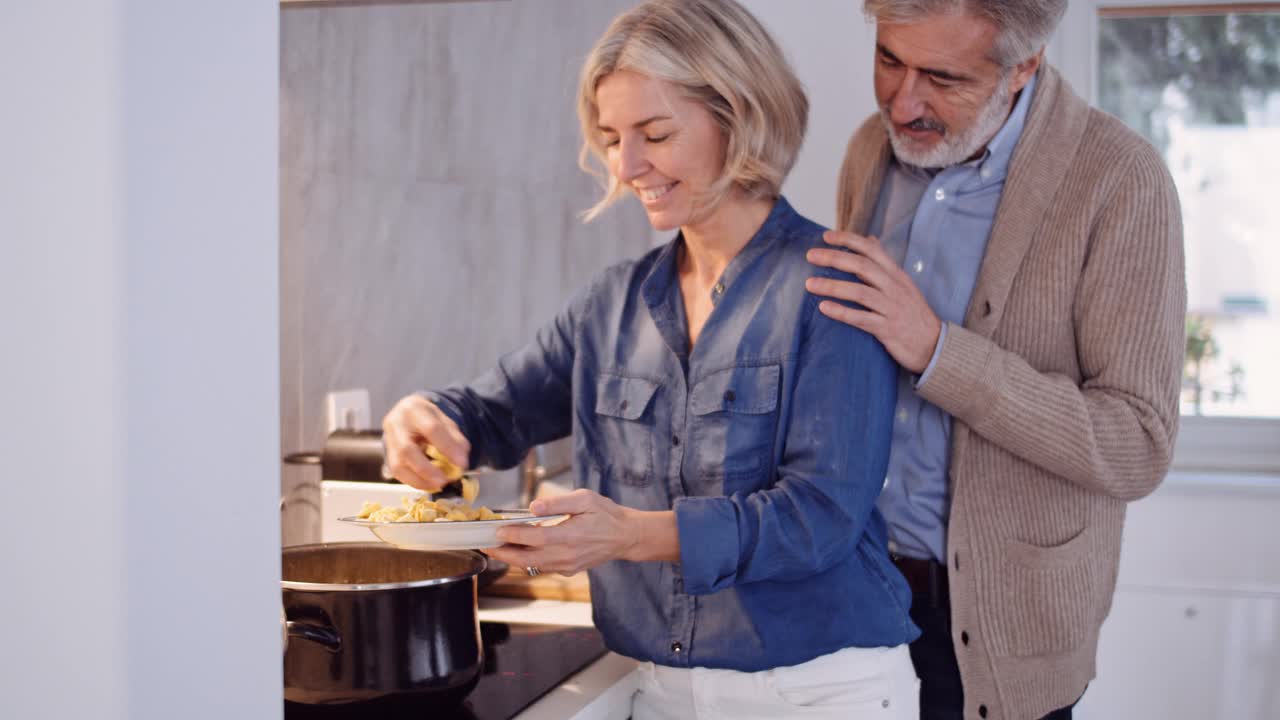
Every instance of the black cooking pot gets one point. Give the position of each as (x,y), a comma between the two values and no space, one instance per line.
(377,629)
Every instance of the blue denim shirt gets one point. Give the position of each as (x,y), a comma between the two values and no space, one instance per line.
(770,440)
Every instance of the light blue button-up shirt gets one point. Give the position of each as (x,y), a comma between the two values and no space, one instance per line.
(936,225)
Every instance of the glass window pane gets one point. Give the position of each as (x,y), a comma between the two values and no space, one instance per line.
(1205,90)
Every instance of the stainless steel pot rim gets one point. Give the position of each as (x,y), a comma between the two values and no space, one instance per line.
(407,585)
(337,587)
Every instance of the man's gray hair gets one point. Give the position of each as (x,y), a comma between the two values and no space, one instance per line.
(1024,26)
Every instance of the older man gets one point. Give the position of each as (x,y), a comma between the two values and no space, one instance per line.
(1028,278)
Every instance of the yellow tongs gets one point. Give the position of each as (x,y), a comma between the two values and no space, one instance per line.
(453,473)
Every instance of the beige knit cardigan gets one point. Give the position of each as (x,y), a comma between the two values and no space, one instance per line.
(1063,384)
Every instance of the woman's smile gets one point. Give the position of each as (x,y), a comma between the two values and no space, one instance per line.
(653,195)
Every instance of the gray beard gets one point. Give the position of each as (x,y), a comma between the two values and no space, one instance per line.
(954,148)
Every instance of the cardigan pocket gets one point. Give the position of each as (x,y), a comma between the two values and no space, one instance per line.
(1045,599)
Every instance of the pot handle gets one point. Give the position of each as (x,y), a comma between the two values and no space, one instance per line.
(320,634)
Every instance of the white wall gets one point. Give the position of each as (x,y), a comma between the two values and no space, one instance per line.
(60,294)
(139,287)
(831,47)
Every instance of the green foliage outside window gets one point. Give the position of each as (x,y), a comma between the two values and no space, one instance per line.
(1221,63)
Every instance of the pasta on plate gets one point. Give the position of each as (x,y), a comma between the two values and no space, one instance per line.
(424,509)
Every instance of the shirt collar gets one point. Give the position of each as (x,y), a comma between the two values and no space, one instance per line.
(1000,150)
(657,284)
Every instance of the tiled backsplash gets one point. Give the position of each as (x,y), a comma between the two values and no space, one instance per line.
(429,200)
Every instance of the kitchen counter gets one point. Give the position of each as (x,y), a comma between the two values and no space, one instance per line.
(601,691)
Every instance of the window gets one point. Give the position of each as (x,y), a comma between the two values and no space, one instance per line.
(1202,83)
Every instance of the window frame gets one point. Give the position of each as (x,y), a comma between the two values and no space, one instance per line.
(1205,443)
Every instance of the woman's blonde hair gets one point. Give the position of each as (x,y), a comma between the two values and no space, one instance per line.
(718,54)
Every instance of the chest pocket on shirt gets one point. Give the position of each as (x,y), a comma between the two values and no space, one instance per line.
(735,416)
(626,427)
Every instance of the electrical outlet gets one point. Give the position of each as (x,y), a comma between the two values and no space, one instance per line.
(347,410)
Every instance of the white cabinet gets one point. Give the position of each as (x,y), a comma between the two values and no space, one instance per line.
(1180,655)
(1194,632)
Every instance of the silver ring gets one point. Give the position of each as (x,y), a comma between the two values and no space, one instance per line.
(532,571)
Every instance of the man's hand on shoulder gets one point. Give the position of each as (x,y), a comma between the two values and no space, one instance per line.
(892,308)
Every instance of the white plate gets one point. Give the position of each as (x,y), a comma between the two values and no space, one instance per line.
(459,535)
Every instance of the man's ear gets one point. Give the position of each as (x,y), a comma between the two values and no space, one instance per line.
(1023,71)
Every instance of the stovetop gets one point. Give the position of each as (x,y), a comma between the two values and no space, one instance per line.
(522,663)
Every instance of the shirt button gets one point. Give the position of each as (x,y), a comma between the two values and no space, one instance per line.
(675,441)
(940,194)
(903,416)
(623,405)
(985,173)
(676,647)
(729,396)
(982,710)
(718,289)
(964,638)
(918,266)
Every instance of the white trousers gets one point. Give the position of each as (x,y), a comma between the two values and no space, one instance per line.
(849,684)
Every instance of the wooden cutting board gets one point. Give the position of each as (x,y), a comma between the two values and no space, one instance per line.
(517,584)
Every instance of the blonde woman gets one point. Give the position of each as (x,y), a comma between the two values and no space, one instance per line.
(733,546)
